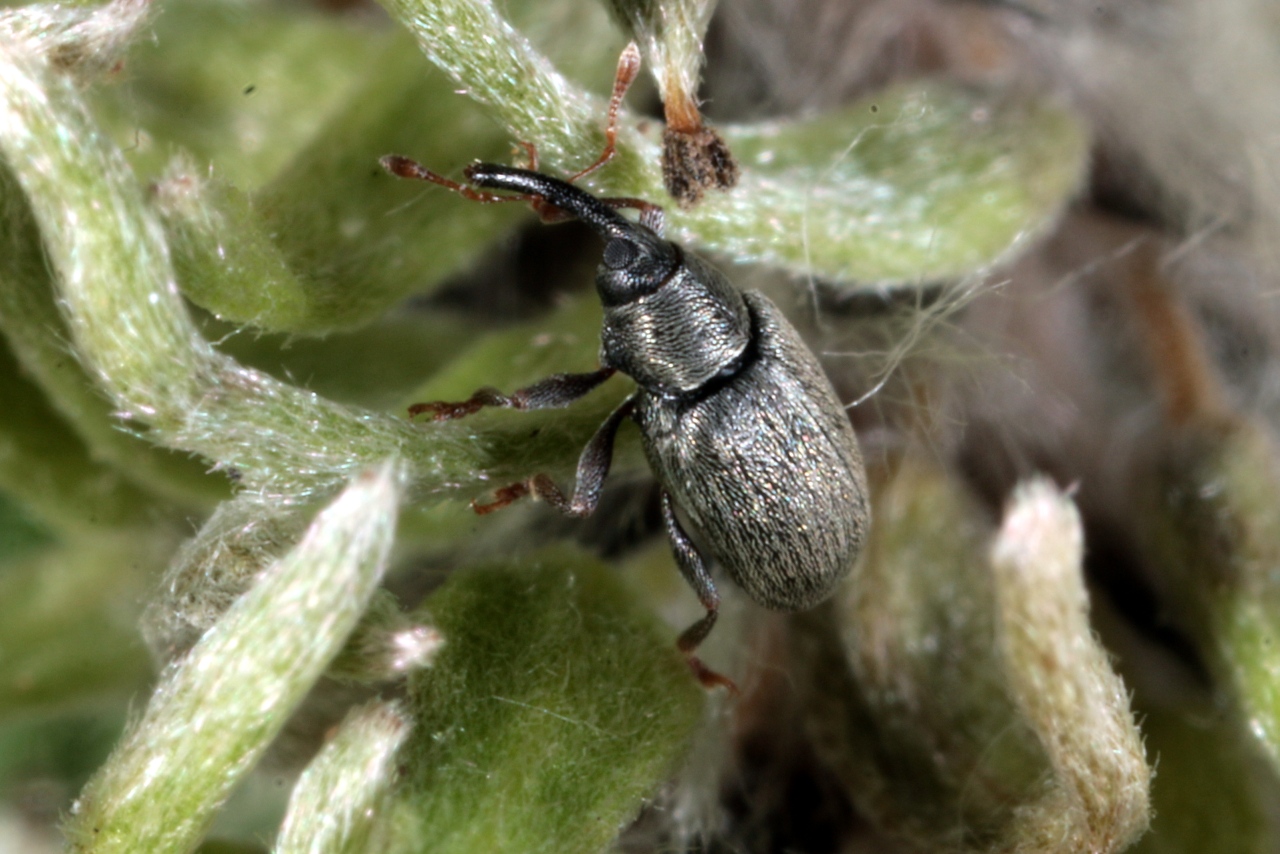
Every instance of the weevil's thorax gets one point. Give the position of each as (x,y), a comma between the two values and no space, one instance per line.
(676,328)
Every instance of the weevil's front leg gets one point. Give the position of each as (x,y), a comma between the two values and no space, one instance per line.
(694,570)
(551,393)
(628,68)
(593,467)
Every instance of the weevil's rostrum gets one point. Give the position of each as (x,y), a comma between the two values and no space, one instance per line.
(740,426)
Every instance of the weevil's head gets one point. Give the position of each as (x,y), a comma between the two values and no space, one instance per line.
(672,321)
(636,262)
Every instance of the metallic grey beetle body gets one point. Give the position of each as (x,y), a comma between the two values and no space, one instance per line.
(741,427)
(739,424)
(766,467)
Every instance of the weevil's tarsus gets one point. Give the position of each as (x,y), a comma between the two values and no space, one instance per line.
(709,678)
(652,216)
(628,68)
(530,155)
(505,496)
(442,410)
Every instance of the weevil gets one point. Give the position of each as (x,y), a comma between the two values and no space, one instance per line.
(740,426)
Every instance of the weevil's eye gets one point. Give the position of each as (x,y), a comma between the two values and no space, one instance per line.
(619,253)
(635,263)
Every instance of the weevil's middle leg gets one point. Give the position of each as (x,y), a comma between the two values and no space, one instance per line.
(552,393)
(694,570)
(593,468)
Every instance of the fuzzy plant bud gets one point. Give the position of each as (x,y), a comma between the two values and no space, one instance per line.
(1062,682)
(86,40)
(387,645)
(973,709)
(913,711)
(339,802)
(1210,518)
(216,710)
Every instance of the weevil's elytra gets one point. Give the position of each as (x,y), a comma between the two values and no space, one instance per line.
(766,467)
(740,426)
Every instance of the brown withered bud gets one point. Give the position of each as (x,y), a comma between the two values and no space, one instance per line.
(694,161)
(669,32)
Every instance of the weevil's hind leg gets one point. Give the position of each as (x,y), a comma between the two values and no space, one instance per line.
(694,570)
(551,393)
(593,468)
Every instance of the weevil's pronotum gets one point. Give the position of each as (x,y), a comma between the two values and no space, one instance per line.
(741,428)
